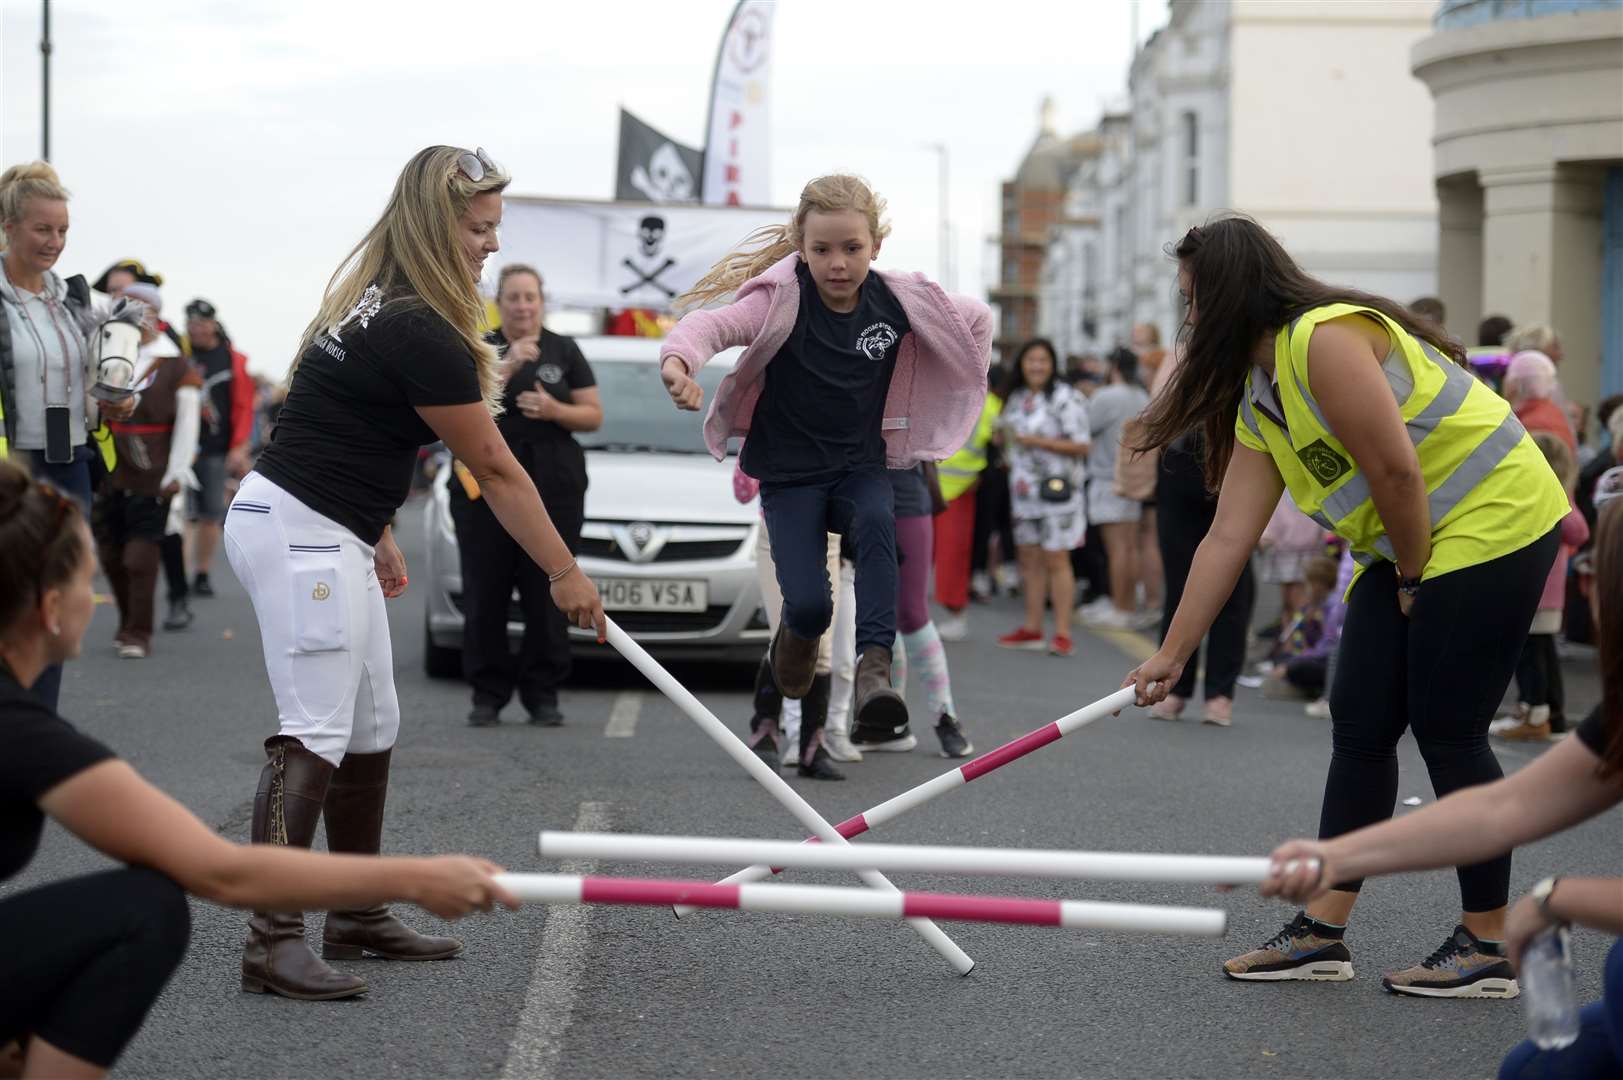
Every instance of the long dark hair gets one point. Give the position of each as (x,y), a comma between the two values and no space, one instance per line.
(1609,581)
(1243,285)
(1016,377)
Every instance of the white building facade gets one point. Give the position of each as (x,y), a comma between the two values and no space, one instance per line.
(1301,113)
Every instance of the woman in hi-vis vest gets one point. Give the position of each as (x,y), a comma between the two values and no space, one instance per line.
(1367,414)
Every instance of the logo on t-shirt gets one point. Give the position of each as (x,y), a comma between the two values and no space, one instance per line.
(550,373)
(366,307)
(876,340)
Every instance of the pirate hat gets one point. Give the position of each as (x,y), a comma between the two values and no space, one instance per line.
(134,266)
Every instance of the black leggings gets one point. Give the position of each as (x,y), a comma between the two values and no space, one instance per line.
(1184,513)
(86,958)
(1538,675)
(1440,672)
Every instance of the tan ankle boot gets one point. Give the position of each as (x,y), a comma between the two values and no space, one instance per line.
(881,713)
(794,662)
(355,826)
(276,958)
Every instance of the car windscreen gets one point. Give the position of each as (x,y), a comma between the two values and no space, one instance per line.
(638,415)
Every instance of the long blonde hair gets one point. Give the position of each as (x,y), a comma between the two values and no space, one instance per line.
(414,248)
(765,246)
(18,184)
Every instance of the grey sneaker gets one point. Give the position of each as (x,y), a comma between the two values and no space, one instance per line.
(1296,952)
(1460,968)
(954,743)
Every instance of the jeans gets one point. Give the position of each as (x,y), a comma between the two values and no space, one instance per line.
(858,505)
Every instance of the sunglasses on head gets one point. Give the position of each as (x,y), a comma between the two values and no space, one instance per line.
(477,165)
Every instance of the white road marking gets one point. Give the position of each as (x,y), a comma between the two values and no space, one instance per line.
(623,715)
(549,1003)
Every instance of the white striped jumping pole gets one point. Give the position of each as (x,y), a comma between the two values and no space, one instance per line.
(963,774)
(909,858)
(768,778)
(868,903)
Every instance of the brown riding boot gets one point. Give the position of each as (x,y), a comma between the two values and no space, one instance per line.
(881,713)
(355,827)
(794,661)
(277,959)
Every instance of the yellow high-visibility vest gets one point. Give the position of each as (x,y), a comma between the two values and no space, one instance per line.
(1489,488)
(958,472)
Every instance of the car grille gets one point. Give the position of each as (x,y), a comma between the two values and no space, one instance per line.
(640,622)
(673,551)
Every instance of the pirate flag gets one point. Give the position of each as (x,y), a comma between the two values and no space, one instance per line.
(653,168)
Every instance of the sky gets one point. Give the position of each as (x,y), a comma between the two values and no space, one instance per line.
(241,149)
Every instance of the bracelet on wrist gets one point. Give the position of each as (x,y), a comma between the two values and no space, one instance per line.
(562,572)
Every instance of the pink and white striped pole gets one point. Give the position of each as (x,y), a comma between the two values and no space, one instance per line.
(768,778)
(866,903)
(973,769)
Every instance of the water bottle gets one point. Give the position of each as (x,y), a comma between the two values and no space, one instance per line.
(1549,997)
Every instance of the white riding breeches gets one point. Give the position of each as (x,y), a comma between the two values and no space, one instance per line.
(321,618)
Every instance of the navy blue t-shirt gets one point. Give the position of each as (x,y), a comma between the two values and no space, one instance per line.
(822,405)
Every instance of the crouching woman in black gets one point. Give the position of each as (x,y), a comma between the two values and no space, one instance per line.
(85,958)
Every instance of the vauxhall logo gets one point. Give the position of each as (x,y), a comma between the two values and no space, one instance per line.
(640,541)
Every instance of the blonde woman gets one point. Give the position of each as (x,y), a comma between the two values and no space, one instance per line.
(394,359)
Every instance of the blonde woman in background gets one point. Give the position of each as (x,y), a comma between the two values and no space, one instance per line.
(393,360)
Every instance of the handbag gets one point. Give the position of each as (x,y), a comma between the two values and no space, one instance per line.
(1055,489)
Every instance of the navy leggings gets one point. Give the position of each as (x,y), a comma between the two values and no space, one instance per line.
(799,516)
(87,957)
(1440,672)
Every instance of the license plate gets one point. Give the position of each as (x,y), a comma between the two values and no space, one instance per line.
(653,594)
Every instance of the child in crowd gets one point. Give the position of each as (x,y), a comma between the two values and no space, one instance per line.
(1539,712)
(1301,657)
(843,374)
(1289,541)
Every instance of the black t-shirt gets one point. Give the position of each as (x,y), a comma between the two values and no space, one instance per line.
(38,750)
(548,450)
(347,437)
(1592,732)
(822,405)
(214,365)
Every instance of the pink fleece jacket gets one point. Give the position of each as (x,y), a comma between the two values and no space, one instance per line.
(1574,535)
(936,392)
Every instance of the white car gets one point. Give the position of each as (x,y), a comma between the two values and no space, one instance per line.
(670,548)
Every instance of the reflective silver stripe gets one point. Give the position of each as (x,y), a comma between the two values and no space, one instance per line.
(1398,375)
(1249,415)
(1383,545)
(946,470)
(1323,522)
(1456,385)
(1363,558)
(1476,467)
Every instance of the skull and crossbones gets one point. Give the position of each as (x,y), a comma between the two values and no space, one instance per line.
(650,236)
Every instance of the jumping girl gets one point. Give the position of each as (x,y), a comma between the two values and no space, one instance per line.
(844,372)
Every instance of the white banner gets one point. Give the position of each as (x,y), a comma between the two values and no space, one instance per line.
(622,254)
(738,145)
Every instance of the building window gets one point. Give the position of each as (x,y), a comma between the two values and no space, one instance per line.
(1191,159)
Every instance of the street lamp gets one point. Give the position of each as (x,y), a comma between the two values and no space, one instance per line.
(45,75)
(942,210)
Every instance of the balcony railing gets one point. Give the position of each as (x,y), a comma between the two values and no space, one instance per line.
(1453,14)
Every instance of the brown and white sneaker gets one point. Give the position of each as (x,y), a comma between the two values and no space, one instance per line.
(1534,726)
(1461,968)
(1302,950)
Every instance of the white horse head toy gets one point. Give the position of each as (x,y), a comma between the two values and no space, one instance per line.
(118,343)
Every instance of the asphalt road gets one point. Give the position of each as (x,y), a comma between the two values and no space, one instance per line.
(630,992)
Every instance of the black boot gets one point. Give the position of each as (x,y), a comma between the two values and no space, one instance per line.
(881,711)
(277,959)
(180,615)
(355,826)
(815,764)
(763,735)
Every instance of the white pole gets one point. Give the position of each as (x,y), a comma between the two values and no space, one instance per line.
(865,903)
(768,778)
(908,858)
(990,761)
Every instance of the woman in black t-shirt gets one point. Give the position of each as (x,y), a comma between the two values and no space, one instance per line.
(392,361)
(85,958)
(549,394)
(1575,780)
